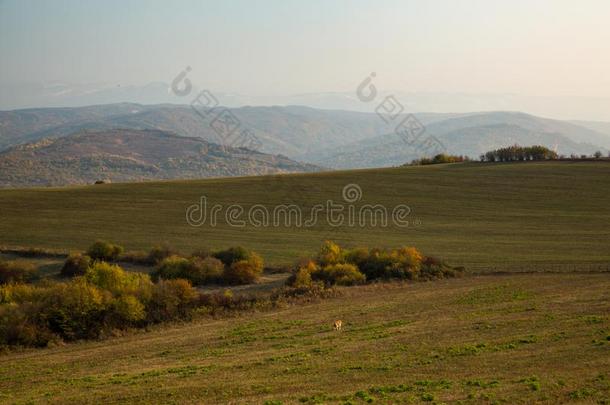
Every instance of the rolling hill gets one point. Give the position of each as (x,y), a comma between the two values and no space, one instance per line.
(470,135)
(332,138)
(532,235)
(600,127)
(515,339)
(487,217)
(131,155)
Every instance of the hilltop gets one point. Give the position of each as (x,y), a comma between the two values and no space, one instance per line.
(131,155)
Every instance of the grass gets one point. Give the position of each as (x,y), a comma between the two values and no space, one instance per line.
(498,338)
(492,217)
(518,339)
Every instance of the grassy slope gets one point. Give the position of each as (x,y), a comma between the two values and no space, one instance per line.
(493,216)
(512,339)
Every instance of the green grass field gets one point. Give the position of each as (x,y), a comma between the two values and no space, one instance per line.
(506,339)
(487,217)
(489,338)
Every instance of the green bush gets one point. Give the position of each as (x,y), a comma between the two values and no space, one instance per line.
(301,278)
(160,252)
(404,263)
(101,250)
(128,308)
(433,268)
(75,310)
(309,273)
(105,299)
(171,268)
(171,299)
(18,293)
(232,255)
(243,272)
(330,253)
(205,270)
(16,271)
(198,271)
(18,327)
(242,266)
(440,158)
(339,274)
(117,281)
(76,265)
(375,263)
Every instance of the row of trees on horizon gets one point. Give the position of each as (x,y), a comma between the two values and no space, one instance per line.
(519,153)
(513,153)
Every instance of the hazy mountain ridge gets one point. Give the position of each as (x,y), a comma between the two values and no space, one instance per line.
(61,94)
(333,138)
(131,155)
(21,126)
(600,127)
(467,135)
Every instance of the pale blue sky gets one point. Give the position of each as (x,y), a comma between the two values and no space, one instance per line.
(533,47)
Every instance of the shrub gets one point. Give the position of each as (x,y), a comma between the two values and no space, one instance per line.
(410,257)
(519,153)
(76,265)
(340,274)
(119,282)
(16,271)
(128,308)
(198,271)
(406,263)
(75,310)
(172,267)
(160,252)
(17,327)
(104,299)
(205,270)
(433,268)
(242,266)
(243,272)
(171,299)
(301,278)
(402,263)
(18,293)
(441,158)
(330,253)
(357,256)
(374,265)
(232,255)
(101,250)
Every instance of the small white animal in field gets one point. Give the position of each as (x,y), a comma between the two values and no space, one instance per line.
(337,325)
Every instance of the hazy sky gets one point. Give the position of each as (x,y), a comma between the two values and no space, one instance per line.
(542,48)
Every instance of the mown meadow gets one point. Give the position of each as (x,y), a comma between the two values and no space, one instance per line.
(524,321)
(506,339)
(487,217)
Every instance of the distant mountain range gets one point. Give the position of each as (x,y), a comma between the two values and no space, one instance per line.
(58,94)
(328,138)
(131,155)
(471,135)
